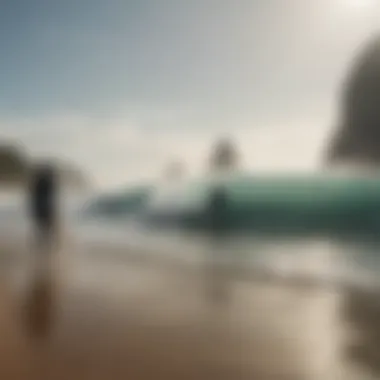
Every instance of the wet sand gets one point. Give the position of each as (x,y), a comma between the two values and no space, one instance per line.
(96,319)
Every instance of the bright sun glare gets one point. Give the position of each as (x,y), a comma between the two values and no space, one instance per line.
(359,3)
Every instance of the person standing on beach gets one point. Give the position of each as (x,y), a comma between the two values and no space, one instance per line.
(43,206)
(39,302)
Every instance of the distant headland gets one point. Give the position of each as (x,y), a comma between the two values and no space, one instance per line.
(15,166)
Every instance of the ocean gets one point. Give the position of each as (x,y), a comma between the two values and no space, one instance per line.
(321,260)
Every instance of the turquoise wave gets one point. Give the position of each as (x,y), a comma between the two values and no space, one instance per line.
(282,204)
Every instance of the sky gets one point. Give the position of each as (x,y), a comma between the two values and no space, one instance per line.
(121,88)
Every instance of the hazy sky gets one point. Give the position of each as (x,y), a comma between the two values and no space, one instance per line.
(120,86)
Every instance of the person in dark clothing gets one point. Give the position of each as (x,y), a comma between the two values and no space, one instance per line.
(39,302)
(43,204)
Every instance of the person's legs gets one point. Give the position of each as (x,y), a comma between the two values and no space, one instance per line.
(44,240)
(38,307)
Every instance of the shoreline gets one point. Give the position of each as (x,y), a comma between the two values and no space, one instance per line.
(118,318)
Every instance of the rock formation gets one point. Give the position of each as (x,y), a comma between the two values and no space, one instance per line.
(357,139)
(15,167)
(174,171)
(224,156)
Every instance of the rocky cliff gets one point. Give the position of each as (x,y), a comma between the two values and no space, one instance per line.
(15,167)
(357,138)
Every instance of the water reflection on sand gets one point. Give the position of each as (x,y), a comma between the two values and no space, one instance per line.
(121,318)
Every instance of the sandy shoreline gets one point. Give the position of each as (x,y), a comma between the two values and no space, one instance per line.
(144,322)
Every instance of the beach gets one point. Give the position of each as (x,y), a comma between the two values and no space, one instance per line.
(92,317)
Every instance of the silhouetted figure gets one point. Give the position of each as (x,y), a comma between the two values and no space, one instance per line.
(43,206)
(38,307)
(357,139)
